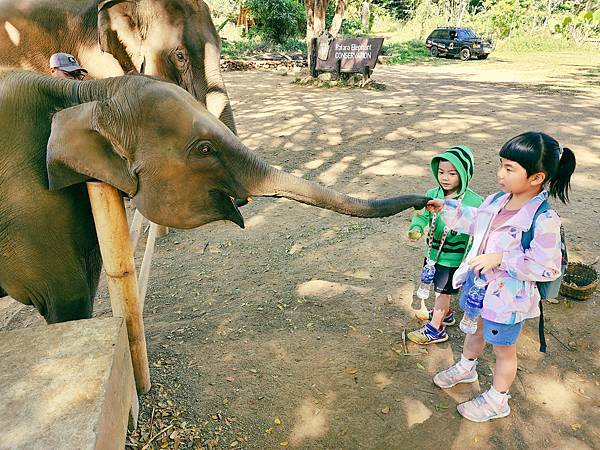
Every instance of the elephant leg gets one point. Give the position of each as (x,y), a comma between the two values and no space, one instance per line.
(2,292)
(77,301)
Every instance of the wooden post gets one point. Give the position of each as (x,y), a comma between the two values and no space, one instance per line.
(161,231)
(146,263)
(136,229)
(117,259)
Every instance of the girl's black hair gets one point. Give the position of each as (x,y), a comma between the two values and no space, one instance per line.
(539,152)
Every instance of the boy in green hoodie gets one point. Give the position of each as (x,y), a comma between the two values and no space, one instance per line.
(453,169)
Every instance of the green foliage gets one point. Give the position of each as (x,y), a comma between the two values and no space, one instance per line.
(405,52)
(400,9)
(278,20)
(242,48)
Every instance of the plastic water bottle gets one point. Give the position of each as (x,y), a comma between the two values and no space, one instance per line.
(473,306)
(426,280)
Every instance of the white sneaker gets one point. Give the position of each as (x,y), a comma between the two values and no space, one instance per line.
(482,408)
(455,375)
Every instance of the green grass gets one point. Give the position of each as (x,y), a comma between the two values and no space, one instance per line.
(405,52)
(541,42)
(246,47)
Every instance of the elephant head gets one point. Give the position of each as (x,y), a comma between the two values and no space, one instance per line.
(180,165)
(174,40)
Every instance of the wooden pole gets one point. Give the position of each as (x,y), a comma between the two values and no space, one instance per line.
(117,259)
(146,262)
(136,229)
(161,231)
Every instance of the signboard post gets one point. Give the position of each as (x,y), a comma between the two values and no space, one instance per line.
(344,55)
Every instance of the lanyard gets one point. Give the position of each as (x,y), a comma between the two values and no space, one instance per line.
(444,234)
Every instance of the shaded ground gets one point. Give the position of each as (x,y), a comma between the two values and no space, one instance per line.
(288,333)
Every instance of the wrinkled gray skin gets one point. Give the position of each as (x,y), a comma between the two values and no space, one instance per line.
(152,140)
(174,40)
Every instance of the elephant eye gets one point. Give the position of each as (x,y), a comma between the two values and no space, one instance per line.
(202,150)
(180,56)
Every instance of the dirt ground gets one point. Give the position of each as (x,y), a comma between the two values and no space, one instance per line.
(288,333)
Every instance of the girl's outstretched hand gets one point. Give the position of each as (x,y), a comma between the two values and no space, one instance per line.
(486,262)
(435,205)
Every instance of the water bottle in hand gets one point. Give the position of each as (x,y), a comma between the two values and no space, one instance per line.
(426,280)
(473,305)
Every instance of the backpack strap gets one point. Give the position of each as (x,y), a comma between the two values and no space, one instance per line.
(527,235)
(541,334)
(497,195)
(526,239)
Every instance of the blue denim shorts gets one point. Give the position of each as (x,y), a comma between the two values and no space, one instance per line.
(501,333)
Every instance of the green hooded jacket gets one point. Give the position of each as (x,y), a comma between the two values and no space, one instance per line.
(457,244)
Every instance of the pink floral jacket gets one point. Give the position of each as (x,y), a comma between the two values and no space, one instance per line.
(512,295)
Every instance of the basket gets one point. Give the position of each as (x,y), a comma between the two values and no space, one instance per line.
(580,281)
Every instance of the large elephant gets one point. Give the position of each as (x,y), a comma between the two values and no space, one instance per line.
(174,40)
(152,140)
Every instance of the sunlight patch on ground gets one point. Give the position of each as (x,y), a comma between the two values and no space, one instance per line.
(382,379)
(370,161)
(394,167)
(314,164)
(384,152)
(326,289)
(586,157)
(331,175)
(585,181)
(404,133)
(254,221)
(361,274)
(311,421)
(552,395)
(364,131)
(416,412)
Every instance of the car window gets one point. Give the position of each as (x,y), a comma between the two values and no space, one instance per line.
(452,34)
(466,34)
(442,34)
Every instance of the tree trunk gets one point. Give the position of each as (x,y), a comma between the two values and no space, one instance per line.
(319,21)
(315,20)
(338,18)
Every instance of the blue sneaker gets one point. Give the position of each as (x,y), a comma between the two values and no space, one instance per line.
(449,320)
(428,335)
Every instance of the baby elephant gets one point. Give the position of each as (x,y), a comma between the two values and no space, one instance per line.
(153,141)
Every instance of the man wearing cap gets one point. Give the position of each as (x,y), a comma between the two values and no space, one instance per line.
(63,65)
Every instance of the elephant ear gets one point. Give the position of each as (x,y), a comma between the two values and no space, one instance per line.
(117,29)
(81,148)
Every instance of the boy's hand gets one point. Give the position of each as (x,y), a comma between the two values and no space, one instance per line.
(486,262)
(414,234)
(435,205)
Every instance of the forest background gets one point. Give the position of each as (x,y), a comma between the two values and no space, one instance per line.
(513,25)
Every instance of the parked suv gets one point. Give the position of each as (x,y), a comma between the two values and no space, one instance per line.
(461,42)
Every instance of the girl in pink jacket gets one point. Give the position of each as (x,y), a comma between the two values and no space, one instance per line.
(529,163)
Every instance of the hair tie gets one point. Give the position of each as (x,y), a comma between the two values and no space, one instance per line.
(560,152)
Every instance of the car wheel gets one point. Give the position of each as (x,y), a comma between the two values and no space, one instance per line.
(434,51)
(465,54)
(482,56)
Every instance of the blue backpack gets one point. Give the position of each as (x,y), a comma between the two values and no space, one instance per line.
(548,289)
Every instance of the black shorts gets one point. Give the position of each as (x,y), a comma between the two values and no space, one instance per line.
(442,280)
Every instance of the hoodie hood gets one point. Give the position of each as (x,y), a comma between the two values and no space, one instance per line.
(462,160)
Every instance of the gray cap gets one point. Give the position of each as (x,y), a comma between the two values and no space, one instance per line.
(65,62)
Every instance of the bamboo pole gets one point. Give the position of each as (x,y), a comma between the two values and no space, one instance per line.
(117,259)
(146,263)
(136,229)
(162,231)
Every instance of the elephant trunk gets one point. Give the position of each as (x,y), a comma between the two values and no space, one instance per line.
(217,99)
(263,180)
